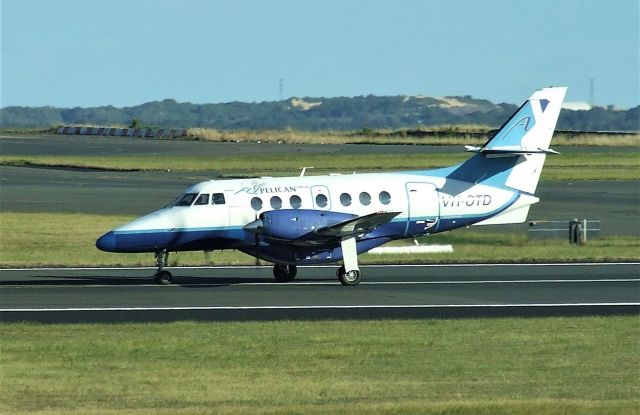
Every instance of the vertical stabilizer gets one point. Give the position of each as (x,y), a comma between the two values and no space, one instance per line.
(531,127)
(518,150)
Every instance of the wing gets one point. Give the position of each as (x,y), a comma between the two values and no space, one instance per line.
(357,226)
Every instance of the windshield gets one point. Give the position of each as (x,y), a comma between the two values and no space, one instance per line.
(186,199)
(203,199)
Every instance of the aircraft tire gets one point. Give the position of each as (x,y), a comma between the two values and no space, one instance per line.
(350,278)
(163,278)
(284,273)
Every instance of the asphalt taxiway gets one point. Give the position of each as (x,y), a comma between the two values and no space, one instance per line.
(57,295)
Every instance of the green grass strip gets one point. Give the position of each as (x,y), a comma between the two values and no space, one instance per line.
(467,366)
(66,239)
(593,166)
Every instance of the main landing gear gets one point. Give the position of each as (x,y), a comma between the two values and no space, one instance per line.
(162,277)
(348,278)
(284,273)
(349,273)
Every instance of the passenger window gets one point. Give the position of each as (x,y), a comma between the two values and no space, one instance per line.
(276,202)
(345,199)
(256,203)
(203,199)
(295,201)
(186,199)
(321,200)
(365,198)
(385,198)
(217,199)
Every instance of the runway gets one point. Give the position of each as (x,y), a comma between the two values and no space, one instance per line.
(57,295)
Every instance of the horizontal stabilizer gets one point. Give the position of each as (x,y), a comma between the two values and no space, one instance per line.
(350,227)
(509,151)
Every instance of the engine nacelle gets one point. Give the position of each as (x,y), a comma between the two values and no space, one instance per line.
(291,224)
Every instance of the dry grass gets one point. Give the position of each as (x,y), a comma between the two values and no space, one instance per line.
(452,136)
(443,135)
(597,140)
(290,137)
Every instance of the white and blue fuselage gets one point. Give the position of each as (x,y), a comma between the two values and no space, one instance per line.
(202,225)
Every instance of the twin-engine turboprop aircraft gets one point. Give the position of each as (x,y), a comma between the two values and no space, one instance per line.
(319,219)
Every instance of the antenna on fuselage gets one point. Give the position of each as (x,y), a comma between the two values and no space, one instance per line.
(304,169)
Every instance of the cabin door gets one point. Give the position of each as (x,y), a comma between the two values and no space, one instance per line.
(423,207)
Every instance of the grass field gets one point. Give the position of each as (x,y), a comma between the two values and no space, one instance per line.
(57,239)
(473,366)
(594,166)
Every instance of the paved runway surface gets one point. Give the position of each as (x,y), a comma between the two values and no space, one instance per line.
(249,293)
(125,146)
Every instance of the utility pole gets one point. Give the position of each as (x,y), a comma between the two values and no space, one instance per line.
(281,89)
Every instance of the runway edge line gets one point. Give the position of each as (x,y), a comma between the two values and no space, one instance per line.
(273,313)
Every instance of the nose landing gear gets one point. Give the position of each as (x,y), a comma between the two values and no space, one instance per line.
(162,277)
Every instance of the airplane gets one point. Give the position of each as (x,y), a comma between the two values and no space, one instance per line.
(333,218)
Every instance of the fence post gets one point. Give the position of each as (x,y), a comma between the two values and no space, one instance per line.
(577,231)
(574,231)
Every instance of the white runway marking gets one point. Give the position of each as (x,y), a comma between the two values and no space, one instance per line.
(311,307)
(327,283)
(326,266)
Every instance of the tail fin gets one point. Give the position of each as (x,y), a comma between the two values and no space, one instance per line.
(514,156)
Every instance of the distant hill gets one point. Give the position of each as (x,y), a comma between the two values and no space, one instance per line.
(313,114)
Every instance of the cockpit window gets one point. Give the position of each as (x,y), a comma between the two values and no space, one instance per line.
(186,199)
(203,199)
(217,199)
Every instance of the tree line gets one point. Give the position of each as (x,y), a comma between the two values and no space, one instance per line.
(313,114)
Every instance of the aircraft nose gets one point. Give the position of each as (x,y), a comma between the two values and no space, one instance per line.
(107,242)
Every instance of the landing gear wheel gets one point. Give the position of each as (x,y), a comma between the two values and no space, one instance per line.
(284,273)
(340,271)
(350,278)
(163,277)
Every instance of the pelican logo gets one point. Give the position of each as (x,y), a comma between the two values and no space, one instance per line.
(262,188)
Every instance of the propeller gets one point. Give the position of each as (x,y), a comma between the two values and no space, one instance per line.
(255,227)
(257,249)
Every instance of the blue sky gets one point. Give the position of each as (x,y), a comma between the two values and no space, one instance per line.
(70,53)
